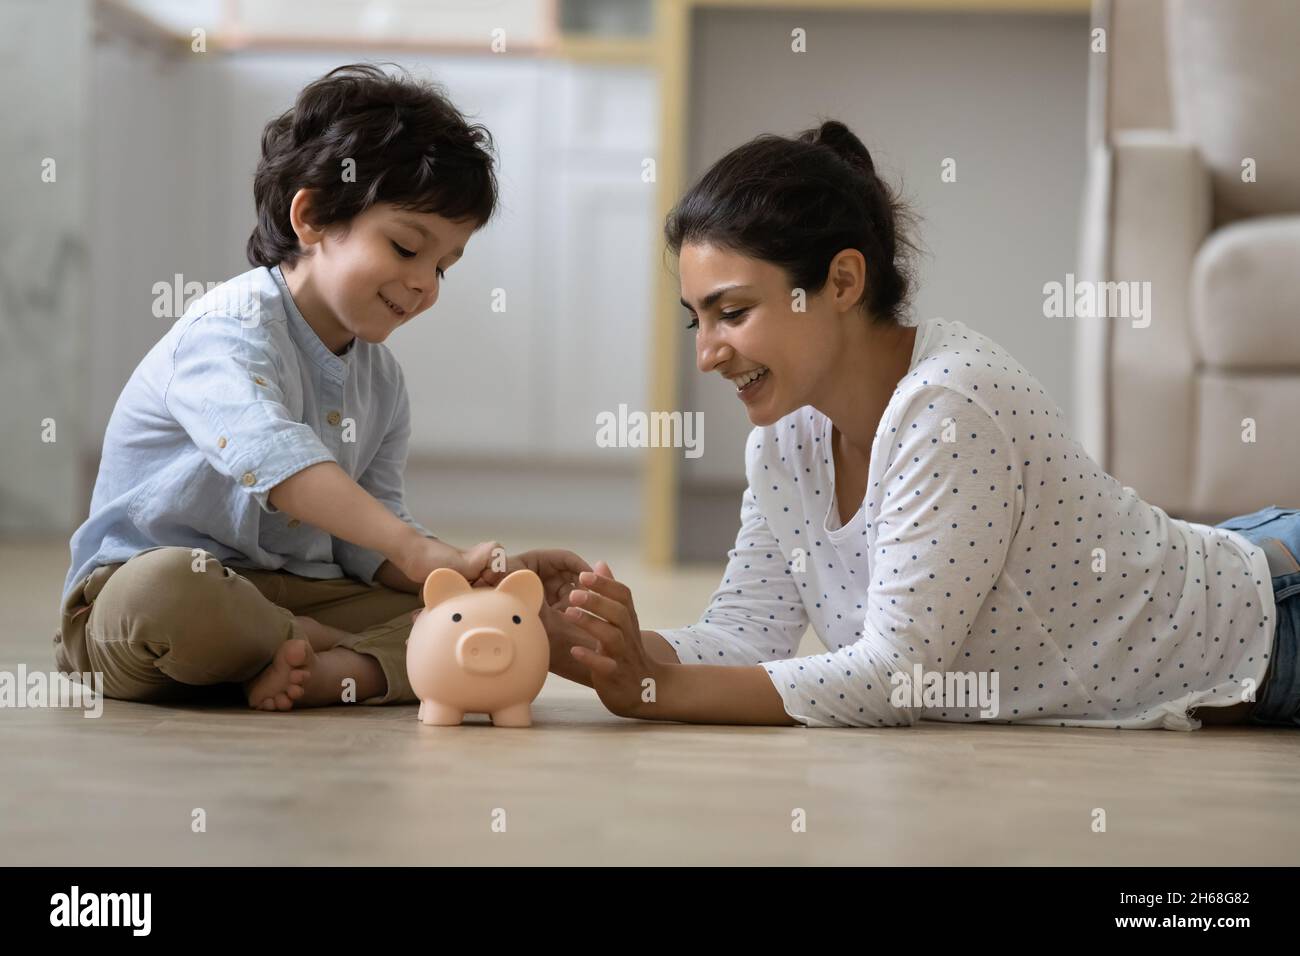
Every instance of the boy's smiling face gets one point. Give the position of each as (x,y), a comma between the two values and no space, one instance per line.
(379,272)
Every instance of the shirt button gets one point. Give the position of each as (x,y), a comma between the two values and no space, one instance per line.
(333,418)
(221,443)
(249,478)
(294,522)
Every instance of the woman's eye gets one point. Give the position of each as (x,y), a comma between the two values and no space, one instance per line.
(725,316)
(404,253)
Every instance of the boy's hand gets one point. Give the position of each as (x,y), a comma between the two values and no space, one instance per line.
(422,556)
(477,560)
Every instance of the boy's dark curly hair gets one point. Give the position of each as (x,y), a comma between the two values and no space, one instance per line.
(409,146)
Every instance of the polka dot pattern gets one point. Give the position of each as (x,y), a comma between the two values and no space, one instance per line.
(988,540)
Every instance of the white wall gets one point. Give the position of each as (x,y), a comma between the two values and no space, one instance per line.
(44,245)
(1002,95)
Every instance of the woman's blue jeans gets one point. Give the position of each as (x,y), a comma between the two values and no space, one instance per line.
(1277,531)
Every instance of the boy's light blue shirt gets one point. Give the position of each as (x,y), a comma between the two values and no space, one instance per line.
(239,395)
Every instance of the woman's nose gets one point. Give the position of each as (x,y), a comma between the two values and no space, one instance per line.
(710,353)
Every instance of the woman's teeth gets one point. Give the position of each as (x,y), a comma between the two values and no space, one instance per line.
(744,381)
(397,311)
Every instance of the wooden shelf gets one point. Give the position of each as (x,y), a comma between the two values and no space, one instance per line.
(595,48)
(906,6)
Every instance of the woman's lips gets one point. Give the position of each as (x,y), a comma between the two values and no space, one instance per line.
(754,388)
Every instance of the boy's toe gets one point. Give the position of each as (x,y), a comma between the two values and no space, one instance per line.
(294,691)
(295,652)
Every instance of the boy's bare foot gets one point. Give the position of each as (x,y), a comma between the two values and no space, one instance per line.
(341,675)
(282,681)
(321,636)
(301,677)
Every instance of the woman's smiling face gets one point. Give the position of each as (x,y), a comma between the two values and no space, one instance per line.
(746,323)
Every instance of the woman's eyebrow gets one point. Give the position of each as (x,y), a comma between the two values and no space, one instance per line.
(715,295)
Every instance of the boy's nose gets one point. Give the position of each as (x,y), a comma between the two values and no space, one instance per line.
(425,295)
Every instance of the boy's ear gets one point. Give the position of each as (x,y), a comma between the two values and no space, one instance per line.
(442,585)
(300,217)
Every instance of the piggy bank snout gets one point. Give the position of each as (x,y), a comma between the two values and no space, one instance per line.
(484,650)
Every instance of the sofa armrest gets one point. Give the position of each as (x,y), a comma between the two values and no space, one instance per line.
(1158,214)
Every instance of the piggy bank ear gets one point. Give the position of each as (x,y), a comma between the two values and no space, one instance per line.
(442,584)
(526,587)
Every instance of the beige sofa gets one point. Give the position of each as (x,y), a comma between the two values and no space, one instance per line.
(1191,100)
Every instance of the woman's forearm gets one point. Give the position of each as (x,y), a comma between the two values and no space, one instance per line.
(657,646)
(712,694)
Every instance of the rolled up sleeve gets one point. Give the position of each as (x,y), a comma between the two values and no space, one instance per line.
(756,613)
(227,391)
(383,479)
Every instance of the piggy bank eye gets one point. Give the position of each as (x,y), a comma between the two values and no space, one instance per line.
(517,619)
(455,617)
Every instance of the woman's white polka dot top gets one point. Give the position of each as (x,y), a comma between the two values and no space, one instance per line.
(989,542)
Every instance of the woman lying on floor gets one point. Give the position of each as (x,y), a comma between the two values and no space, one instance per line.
(915,495)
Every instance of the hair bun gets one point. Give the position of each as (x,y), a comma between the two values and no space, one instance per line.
(842,140)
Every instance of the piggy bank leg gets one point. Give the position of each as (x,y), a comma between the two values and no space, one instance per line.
(517,715)
(439,715)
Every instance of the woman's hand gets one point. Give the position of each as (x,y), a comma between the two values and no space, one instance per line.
(622,672)
(563,635)
(557,568)
(559,572)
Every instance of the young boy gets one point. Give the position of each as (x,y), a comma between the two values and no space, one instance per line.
(247,525)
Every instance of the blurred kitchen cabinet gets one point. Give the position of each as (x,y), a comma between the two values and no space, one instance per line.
(471,361)
(599,197)
(545,323)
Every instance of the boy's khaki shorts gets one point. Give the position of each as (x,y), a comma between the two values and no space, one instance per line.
(165,627)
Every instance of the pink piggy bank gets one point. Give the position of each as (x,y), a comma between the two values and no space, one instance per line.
(478,650)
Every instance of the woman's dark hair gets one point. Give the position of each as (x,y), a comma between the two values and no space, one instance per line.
(407,143)
(797,203)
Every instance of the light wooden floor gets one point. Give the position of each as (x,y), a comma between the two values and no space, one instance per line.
(371,786)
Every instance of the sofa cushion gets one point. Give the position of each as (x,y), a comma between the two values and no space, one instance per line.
(1245,311)
(1235,87)
(1244,435)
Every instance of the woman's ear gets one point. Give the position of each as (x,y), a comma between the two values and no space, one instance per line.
(443,584)
(846,279)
